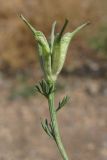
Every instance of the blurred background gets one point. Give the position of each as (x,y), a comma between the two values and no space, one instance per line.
(83,122)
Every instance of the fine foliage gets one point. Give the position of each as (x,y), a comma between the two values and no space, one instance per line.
(52,57)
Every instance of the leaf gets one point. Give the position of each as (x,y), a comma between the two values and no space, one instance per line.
(46,128)
(38,89)
(51,89)
(62,103)
(44,88)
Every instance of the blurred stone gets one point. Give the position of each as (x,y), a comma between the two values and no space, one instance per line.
(91,146)
(104,89)
(104,152)
(93,65)
(92,88)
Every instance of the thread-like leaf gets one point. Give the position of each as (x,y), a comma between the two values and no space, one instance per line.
(38,89)
(46,128)
(62,103)
(51,89)
(52,130)
(44,88)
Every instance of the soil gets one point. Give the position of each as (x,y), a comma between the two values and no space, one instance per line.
(83,122)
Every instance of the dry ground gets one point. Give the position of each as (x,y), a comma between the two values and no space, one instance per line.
(83,122)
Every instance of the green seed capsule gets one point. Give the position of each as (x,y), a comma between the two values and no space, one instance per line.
(52,55)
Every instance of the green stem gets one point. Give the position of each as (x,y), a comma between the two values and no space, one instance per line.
(53,117)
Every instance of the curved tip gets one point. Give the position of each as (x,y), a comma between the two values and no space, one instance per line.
(22,17)
(66,20)
(54,23)
(19,15)
(63,29)
(27,23)
(88,23)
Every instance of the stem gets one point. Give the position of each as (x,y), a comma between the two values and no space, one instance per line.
(53,117)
